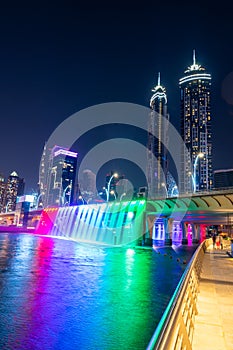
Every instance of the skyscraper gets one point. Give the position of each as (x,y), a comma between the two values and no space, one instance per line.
(196,129)
(2,193)
(61,177)
(156,151)
(14,188)
(223,178)
(42,173)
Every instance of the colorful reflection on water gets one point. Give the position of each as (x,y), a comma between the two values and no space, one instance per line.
(58,294)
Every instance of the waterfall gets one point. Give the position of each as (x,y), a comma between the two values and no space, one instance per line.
(111,224)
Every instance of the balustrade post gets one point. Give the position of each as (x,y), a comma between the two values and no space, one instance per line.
(195,233)
(168,226)
(184,227)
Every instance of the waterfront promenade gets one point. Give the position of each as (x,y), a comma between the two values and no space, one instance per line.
(213,323)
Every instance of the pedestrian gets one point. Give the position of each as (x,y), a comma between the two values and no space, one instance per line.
(217,243)
(214,239)
(221,241)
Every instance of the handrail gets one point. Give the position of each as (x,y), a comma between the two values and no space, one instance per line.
(175,329)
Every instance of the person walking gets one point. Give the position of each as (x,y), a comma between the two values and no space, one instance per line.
(214,239)
(217,243)
(221,241)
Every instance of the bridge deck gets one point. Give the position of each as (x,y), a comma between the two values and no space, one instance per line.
(213,324)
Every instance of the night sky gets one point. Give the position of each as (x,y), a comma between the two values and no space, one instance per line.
(60,58)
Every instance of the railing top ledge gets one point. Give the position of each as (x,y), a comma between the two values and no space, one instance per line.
(163,329)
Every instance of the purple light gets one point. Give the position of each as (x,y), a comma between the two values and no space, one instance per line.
(66,153)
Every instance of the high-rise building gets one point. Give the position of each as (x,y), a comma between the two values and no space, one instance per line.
(43,173)
(223,178)
(2,193)
(43,178)
(60,186)
(14,188)
(156,150)
(195,90)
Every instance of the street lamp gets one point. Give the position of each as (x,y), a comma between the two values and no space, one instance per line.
(164,185)
(9,202)
(173,189)
(106,191)
(113,193)
(81,197)
(123,194)
(109,183)
(200,155)
(64,194)
(38,198)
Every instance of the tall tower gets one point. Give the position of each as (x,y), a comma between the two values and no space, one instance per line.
(196,129)
(156,151)
(42,172)
(14,188)
(61,177)
(2,193)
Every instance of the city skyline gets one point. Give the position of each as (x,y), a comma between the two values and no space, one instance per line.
(54,63)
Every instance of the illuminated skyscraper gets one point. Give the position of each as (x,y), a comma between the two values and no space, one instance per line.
(196,129)
(14,188)
(156,151)
(43,178)
(2,193)
(61,177)
(223,178)
(43,173)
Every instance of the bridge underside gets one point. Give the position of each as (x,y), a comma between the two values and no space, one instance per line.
(212,209)
(205,218)
(190,214)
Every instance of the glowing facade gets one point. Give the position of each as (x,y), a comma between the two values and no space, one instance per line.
(196,129)
(223,178)
(61,177)
(156,152)
(2,193)
(14,187)
(42,173)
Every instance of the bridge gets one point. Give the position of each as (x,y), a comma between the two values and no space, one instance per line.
(209,208)
(145,221)
(197,211)
(148,221)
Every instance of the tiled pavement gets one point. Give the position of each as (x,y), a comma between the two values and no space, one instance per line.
(213,328)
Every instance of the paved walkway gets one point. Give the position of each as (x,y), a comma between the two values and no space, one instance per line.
(213,328)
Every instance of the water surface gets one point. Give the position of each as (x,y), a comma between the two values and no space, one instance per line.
(59,294)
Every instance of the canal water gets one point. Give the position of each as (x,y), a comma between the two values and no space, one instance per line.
(61,295)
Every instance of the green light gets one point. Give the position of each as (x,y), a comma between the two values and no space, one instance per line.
(130,215)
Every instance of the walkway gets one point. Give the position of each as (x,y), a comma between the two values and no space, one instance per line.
(214,322)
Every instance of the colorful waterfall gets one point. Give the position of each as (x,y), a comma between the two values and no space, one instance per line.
(112,224)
